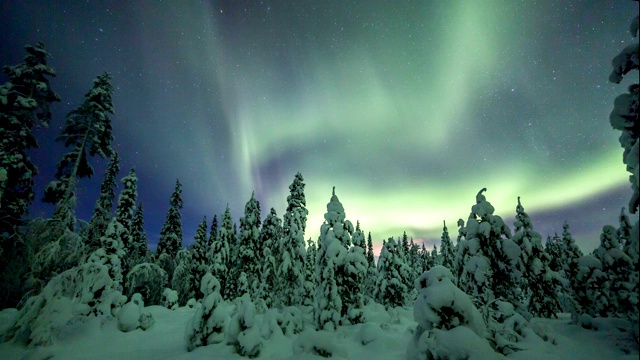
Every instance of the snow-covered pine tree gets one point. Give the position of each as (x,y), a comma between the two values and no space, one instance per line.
(112,249)
(624,116)
(104,205)
(404,243)
(554,248)
(249,245)
(199,258)
(391,289)
(213,232)
(435,257)
(371,261)
(462,255)
(171,233)
(425,257)
(291,267)
(446,249)
(138,242)
(355,269)
(372,271)
(125,212)
(183,276)
(534,279)
(487,274)
(87,130)
(209,322)
(269,237)
(221,260)
(616,297)
(570,255)
(309,274)
(24,104)
(415,262)
(328,306)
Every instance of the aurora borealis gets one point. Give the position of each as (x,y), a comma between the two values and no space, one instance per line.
(408,108)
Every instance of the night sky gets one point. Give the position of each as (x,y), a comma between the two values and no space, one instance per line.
(408,108)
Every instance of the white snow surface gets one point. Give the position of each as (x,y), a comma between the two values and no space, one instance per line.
(378,338)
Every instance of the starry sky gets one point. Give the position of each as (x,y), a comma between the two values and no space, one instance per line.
(407,107)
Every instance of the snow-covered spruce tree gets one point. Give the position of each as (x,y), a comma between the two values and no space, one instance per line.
(113,251)
(182,279)
(425,256)
(87,130)
(138,244)
(414,263)
(355,268)
(126,206)
(372,271)
(588,288)
(328,303)
(149,280)
(291,267)
(213,232)
(269,237)
(554,249)
(537,282)
(435,256)
(249,247)
(569,257)
(487,272)
(209,322)
(446,249)
(462,255)
(199,266)
(171,233)
(391,290)
(624,116)
(309,273)
(445,315)
(404,246)
(124,214)
(221,256)
(24,104)
(102,212)
(616,299)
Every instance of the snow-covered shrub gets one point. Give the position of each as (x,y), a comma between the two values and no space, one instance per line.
(589,286)
(449,325)
(148,280)
(182,278)
(133,315)
(368,333)
(506,327)
(291,321)
(191,303)
(170,298)
(83,290)
(243,331)
(207,326)
(321,343)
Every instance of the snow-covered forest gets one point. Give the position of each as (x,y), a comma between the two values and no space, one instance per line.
(255,287)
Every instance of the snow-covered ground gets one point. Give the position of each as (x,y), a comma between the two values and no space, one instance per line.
(379,338)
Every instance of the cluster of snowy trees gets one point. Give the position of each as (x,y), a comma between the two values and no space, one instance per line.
(482,288)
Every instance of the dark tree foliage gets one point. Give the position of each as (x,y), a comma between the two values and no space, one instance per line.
(171,233)
(24,104)
(87,131)
(102,212)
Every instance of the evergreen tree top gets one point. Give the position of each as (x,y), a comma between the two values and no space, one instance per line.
(176,200)
(335,210)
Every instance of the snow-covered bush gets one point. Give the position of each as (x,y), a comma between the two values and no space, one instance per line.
(290,320)
(181,281)
(170,298)
(321,343)
(81,291)
(506,327)
(133,315)
(148,280)
(449,325)
(207,326)
(243,331)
